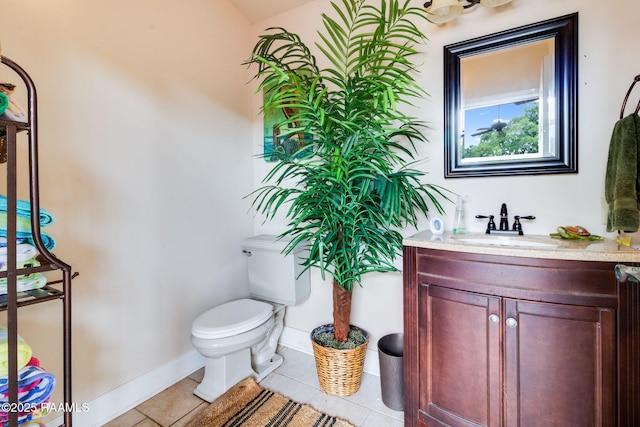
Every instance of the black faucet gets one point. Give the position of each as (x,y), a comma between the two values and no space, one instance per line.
(504,222)
(504,218)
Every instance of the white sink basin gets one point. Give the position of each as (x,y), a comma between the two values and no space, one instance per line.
(514,241)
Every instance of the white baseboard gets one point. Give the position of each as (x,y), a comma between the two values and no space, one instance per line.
(116,402)
(301,341)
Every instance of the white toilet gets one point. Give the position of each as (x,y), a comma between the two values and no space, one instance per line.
(239,338)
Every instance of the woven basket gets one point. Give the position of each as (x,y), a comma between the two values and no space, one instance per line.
(339,371)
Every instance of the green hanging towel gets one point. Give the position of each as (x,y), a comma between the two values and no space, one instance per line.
(621,180)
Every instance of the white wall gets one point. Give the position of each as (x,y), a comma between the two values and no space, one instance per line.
(145,142)
(607,66)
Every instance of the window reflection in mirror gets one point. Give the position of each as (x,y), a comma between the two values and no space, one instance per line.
(507,99)
(510,101)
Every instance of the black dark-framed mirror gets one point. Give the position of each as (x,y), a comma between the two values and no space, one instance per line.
(510,101)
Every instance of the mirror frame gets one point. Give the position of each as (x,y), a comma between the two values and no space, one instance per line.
(564,31)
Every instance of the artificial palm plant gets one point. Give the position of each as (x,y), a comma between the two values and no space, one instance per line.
(349,188)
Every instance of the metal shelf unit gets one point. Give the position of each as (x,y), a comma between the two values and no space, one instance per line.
(54,290)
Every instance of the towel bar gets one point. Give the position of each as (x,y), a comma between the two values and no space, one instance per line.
(626,98)
(623,272)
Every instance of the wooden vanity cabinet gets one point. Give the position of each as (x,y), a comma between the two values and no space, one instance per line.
(509,341)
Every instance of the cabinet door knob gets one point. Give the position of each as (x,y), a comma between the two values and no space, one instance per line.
(511,322)
(494,318)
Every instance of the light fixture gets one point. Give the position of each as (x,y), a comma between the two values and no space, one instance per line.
(441,11)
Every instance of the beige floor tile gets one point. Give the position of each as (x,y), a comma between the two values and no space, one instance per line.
(288,387)
(370,395)
(339,407)
(197,375)
(376,419)
(171,404)
(147,423)
(299,366)
(127,419)
(190,416)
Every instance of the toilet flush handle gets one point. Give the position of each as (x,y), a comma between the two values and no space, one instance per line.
(246,252)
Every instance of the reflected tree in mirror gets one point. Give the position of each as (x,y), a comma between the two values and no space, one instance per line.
(513,134)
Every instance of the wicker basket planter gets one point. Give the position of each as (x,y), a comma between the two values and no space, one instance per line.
(339,371)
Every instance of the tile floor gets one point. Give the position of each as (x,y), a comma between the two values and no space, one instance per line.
(296,378)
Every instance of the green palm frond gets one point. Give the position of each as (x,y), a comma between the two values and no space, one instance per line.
(355,189)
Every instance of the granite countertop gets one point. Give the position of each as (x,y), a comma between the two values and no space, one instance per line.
(529,246)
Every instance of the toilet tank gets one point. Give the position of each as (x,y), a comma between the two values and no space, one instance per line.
(273,276)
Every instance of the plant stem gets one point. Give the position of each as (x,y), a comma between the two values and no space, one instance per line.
(341,311)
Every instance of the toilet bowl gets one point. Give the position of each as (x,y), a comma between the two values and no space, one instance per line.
(239,338)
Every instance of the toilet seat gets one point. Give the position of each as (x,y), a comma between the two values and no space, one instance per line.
(231,318)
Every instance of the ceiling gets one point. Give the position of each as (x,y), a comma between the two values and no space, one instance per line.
(259,10)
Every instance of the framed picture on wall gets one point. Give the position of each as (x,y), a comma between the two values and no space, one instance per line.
(278,144)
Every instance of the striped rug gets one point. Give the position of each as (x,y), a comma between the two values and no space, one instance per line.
(249,405)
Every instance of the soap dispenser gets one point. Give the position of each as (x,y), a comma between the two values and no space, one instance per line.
(459,221)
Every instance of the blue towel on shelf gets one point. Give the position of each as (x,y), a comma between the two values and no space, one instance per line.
(23,223)
(23,209)
(23,231)
(35,386)
(49,242)
(3,242)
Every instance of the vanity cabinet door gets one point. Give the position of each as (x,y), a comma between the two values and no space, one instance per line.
(559,365)
(492,361)
(460,363)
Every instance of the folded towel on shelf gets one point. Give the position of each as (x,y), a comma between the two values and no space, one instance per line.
(622,178)
(24,352)
(22,264)
(35,386)
(23,209)
(23,231)
(48,241)
(4,388)
(27,282)
(29,419)
(24,252)
(4,102)
(3,241)
(13,111)
(31,423)
(23,223)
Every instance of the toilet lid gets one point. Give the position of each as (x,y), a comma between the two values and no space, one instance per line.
(231,318)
